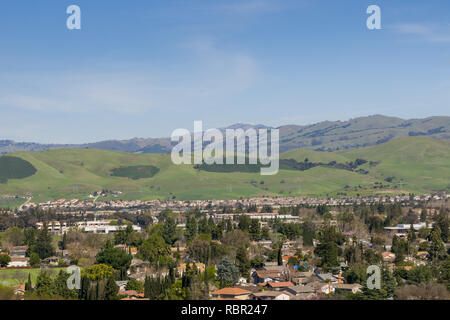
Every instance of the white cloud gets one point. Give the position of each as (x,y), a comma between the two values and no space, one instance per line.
(209,77)
(427,32)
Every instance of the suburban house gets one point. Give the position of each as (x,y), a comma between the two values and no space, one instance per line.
(260,276)
(271,295)
(18,257)
(51,261)
(18,262)
(328,277)
(231,293)
(300,290)
(139,269)
(325,288)
(279,286)
(132,295)
(19,251)
(182,268)
(422,254)
(285,259)
(353,288)
(302,278)
(388,256)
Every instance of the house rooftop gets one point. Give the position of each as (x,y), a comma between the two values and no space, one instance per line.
(302,289)
(273,294)
(347,286)
(231,291)
(280,284)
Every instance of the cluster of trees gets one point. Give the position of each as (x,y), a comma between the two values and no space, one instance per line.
(407,281)
(98,283)
(328,247)
(50,288)
(194,284)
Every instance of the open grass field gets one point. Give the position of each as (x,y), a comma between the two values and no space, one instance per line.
(14,277)
(11,203)
(412,164)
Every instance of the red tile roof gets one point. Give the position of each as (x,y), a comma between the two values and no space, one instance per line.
(231,291)
(280,284)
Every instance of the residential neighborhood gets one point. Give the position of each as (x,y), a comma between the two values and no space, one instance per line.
(256,249)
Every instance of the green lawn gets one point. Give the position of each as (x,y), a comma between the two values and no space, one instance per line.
(14,277)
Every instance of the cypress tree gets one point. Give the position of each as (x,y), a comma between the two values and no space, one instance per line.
(280,257)
(28,284)
(84,288)
(63,242)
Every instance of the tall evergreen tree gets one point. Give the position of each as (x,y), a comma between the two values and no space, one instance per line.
(437,248)
(191,229)
(227,273)
(444,224)
(28,284)
(279,255)
(83,293)
(111,289)
(63,242)
(169,231)
(44,247)
(255,230)
(243,262)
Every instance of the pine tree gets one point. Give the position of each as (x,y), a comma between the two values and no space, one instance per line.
(423,215)
(437,248)
(191,229)
(44,247)
(243,262)
(111,289)
(255,230)
(227,273)
(444,224)
(388,282)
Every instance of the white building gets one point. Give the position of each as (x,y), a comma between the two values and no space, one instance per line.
(102,226)
(18,262)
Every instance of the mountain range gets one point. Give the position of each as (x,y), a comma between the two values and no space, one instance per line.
(322,136)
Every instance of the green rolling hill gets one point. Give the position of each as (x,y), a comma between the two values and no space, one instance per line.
(410,164)
(417,163)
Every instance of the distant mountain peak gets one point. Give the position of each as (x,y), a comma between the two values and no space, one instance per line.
(323,136)
(246,126)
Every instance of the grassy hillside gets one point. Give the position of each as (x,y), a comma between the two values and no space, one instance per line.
(360,132)
(416,164)
(14,168)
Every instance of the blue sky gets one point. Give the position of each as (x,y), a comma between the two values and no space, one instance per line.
(143,68)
